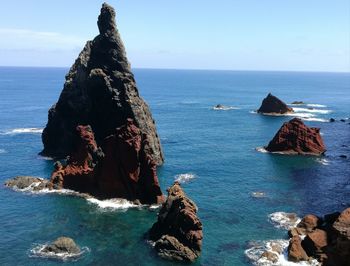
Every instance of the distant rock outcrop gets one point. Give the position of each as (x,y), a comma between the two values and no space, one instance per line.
(326,240)
(100,91)
(272,105)
(178,231)
(25,182)
(103,126)
(294,137)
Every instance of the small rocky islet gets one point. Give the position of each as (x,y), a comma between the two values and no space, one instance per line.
(105,138)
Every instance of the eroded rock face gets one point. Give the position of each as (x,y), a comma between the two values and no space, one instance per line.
(178,232)
(327,241)
(294,137)
(120,168)
(272,105)
(100,91)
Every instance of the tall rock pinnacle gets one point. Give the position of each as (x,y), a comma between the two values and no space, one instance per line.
(100,91)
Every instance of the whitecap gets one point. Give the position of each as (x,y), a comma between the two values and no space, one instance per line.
(224,108)
(284,220)
(261,149)
(322,161)
(319,111)
(316,105)
(38,252)
(114,204)
(254,254)
(30,130)
(185,178)
(315,119)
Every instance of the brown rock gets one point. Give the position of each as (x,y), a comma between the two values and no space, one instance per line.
(309,223)
(296,252)
(272,105)
(120,169)
(178,228)
(294,137)
(315,242)
(270,256)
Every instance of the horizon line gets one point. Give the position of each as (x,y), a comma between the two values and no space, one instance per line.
(198,69)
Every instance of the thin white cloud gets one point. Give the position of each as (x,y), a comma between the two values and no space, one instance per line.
(40,40)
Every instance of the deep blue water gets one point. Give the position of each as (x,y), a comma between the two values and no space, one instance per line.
(217,147)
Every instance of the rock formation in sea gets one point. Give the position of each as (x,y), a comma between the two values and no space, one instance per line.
(102,126)
(325,239)
(62,245)
(294,137)
(25,182)
(272,105)
(100,91)
(120,168)
(178,231)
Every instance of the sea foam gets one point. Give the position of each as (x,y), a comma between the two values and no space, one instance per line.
(30,130)
(225,108)
(284,220)
(185,178)
(38,252)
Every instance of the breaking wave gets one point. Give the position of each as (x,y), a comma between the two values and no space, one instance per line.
(261,149)
(316,105)
(257,248)
(38,252)
(185,178)
(323,161)
(224,108)
(284,220)
(318,111)
(113,204)
(30,130)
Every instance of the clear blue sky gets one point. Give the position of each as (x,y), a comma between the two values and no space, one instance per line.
(310,35)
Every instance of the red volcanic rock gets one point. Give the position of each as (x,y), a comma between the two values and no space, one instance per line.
(309,223)
(296,252)
(328,242)
(121,168)
(178,232)
(272,105)
(294,137)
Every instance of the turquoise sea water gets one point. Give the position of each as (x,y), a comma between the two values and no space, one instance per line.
(215,147)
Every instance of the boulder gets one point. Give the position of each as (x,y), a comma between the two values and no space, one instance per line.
(294,137)
(100,91)
(272,105)
(296,252)
(178,231)
(23,182)
(62,245)
(315,242)
(309,223)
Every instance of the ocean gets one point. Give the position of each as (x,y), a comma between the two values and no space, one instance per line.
(212,152)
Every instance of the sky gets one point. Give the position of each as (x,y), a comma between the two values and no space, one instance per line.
(288,35)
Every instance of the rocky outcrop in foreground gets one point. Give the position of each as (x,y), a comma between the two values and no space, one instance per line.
(178,232)
(100,91)
(294,137)
(272,105)
(103,126)
(325,239)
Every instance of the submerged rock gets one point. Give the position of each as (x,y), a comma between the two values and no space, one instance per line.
(178,232)
(272,105)
(62,245)
(294,137)
(23,182)
(121,168)
(100,91)
(298,102)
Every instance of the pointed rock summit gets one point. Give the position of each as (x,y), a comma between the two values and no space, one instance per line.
(100,91)
(102,126)
(272,105)
(294,137)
